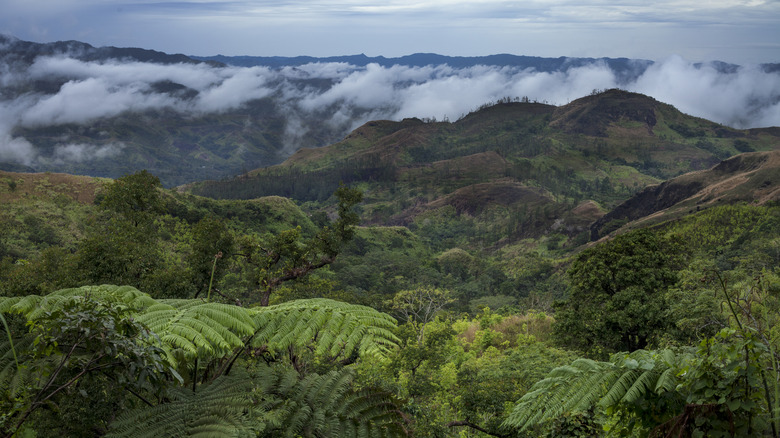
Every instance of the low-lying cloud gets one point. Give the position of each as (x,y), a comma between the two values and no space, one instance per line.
(345,96)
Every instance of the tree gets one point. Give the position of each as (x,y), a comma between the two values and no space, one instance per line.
(136,197)
(617,292)
(122,246)
(727,386)
(288,256)
(419,306)
(211,241)
(81,344)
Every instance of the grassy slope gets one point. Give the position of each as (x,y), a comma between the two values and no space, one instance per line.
(525,167)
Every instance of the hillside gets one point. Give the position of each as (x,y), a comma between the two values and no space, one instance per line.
(749,178)
(524,166)
(490,285)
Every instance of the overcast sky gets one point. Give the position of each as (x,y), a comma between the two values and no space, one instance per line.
(738,31)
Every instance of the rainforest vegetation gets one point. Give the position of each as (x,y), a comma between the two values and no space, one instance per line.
(472,282)
(150,312)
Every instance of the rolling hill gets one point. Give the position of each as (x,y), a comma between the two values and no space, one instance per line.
(106,111)
(528,168)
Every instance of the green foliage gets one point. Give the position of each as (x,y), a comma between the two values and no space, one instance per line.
(221,408)
(186,333)
(726,375)
(623,386)
(211,241)
(326,405)
(269,401)
(420,306)
(135,197)
(726,387)
(76,340)
(288,255)
(617,294)
(340,329)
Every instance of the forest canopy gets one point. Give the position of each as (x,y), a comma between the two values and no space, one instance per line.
(153,312)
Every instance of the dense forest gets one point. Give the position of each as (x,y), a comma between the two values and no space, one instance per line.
(142,311)
(491,277)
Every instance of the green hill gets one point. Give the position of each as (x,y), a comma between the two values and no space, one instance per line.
(524,166)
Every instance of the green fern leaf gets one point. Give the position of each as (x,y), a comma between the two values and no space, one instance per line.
(339,328)
(586,383)
(218,409)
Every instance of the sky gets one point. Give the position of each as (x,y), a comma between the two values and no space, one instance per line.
(736,31)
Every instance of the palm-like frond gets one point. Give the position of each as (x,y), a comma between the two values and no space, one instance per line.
(325,405)
(276,403)
(16,378)
(195,326)
(587,383)
(185,327)
(219,409)
(320,405)
(337,329)
(35,306)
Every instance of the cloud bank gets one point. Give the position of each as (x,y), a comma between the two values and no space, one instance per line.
(345,96)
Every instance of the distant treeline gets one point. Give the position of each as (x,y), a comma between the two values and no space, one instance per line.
(302,185)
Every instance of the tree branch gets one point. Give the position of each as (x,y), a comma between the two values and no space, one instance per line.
(475,427)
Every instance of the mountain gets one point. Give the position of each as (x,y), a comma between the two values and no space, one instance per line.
(15,51)
(626,69)
(750,178)
(106,111)
(528,168)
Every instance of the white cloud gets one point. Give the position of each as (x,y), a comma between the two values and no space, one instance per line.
(241,87)
(743,99)
(16,150)
(81,152)
(90,99)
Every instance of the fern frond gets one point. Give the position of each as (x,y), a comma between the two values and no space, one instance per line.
(339,328)
(219,409)
(325,405)
(195,326)
(35,306)
(187,327)
(585,383)
(14,378)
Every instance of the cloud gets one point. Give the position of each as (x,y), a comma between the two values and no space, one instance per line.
(340,96)
(90,99)
(241,87)
(81,152)
(16,150)
(748,97)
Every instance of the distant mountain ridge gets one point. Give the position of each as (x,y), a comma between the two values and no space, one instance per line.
(750,177)
(14,51)
(194,120)
(624,68)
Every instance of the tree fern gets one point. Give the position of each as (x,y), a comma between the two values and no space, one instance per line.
(337,329)
(219,409)
(273,403)
(196,327)
(585,384)
(35,306)
(327,406)
(282,401)
(15,378)
(191,327)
